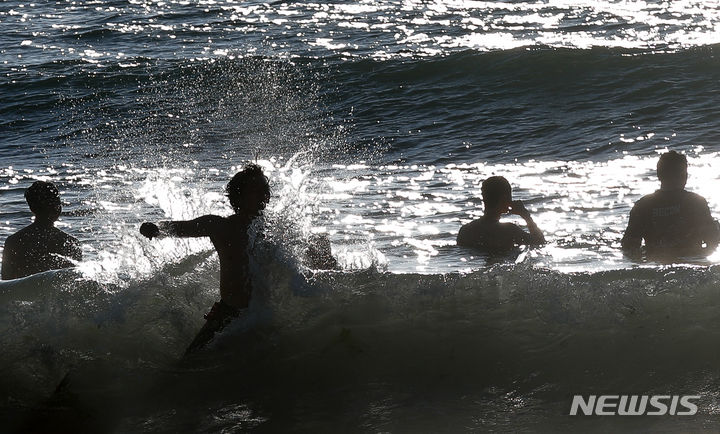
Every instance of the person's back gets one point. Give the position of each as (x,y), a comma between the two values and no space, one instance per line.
(40,246)
(487,233)
(492,236)
(673,222)
(37,248)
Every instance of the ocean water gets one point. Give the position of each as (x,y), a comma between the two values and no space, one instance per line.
(376,122)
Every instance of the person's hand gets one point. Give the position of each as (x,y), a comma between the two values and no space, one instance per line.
(518,208)
(150,230)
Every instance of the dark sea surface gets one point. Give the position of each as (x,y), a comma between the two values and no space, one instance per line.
(376,122)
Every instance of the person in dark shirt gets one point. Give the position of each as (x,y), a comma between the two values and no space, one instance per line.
(673,222)
(487,233)
(248,192)
(40,246)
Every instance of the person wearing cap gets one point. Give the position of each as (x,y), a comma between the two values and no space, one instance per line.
(40,246)
(673,222)
(490,235)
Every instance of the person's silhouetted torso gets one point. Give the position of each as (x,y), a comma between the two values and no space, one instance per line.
(38,248)
(487,233)
(674,223)
(248,192)
(671,222)
(492,236)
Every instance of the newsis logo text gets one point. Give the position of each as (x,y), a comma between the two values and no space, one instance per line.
(634,405)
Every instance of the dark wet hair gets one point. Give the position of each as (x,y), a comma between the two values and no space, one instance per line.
(43,198)
(671,165)
(495,189)
(251,176)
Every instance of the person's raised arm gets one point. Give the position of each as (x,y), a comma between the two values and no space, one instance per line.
(536,236)
(199,227)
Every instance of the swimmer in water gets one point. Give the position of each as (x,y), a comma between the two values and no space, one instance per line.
(491,236)
(40,246)
(673,222)
(248,192)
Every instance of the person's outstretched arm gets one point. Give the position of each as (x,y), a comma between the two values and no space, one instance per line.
(199,227)
(536,236)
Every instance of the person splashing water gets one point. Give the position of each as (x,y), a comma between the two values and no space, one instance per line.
(248,192)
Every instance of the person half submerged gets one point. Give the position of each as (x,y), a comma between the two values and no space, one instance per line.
(40,246)
(491,236)
(674,223)
(318,255)
(248,192)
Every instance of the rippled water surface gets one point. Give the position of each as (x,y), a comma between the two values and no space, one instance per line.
(376,122)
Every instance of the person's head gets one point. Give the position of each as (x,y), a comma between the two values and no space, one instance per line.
(496,193)
(44,200)
(249,190)
(672,170)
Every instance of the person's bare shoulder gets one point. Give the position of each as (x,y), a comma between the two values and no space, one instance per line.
(470,226)
(469,233)
(211,222)
(20,237)
(508,227)
(236,219)
(234,224)
(11,239)
(514,232)
(212,218)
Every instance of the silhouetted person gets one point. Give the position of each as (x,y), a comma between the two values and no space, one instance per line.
(319,253)
(672,221)
(248,192)
(40,246)
(487,233)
